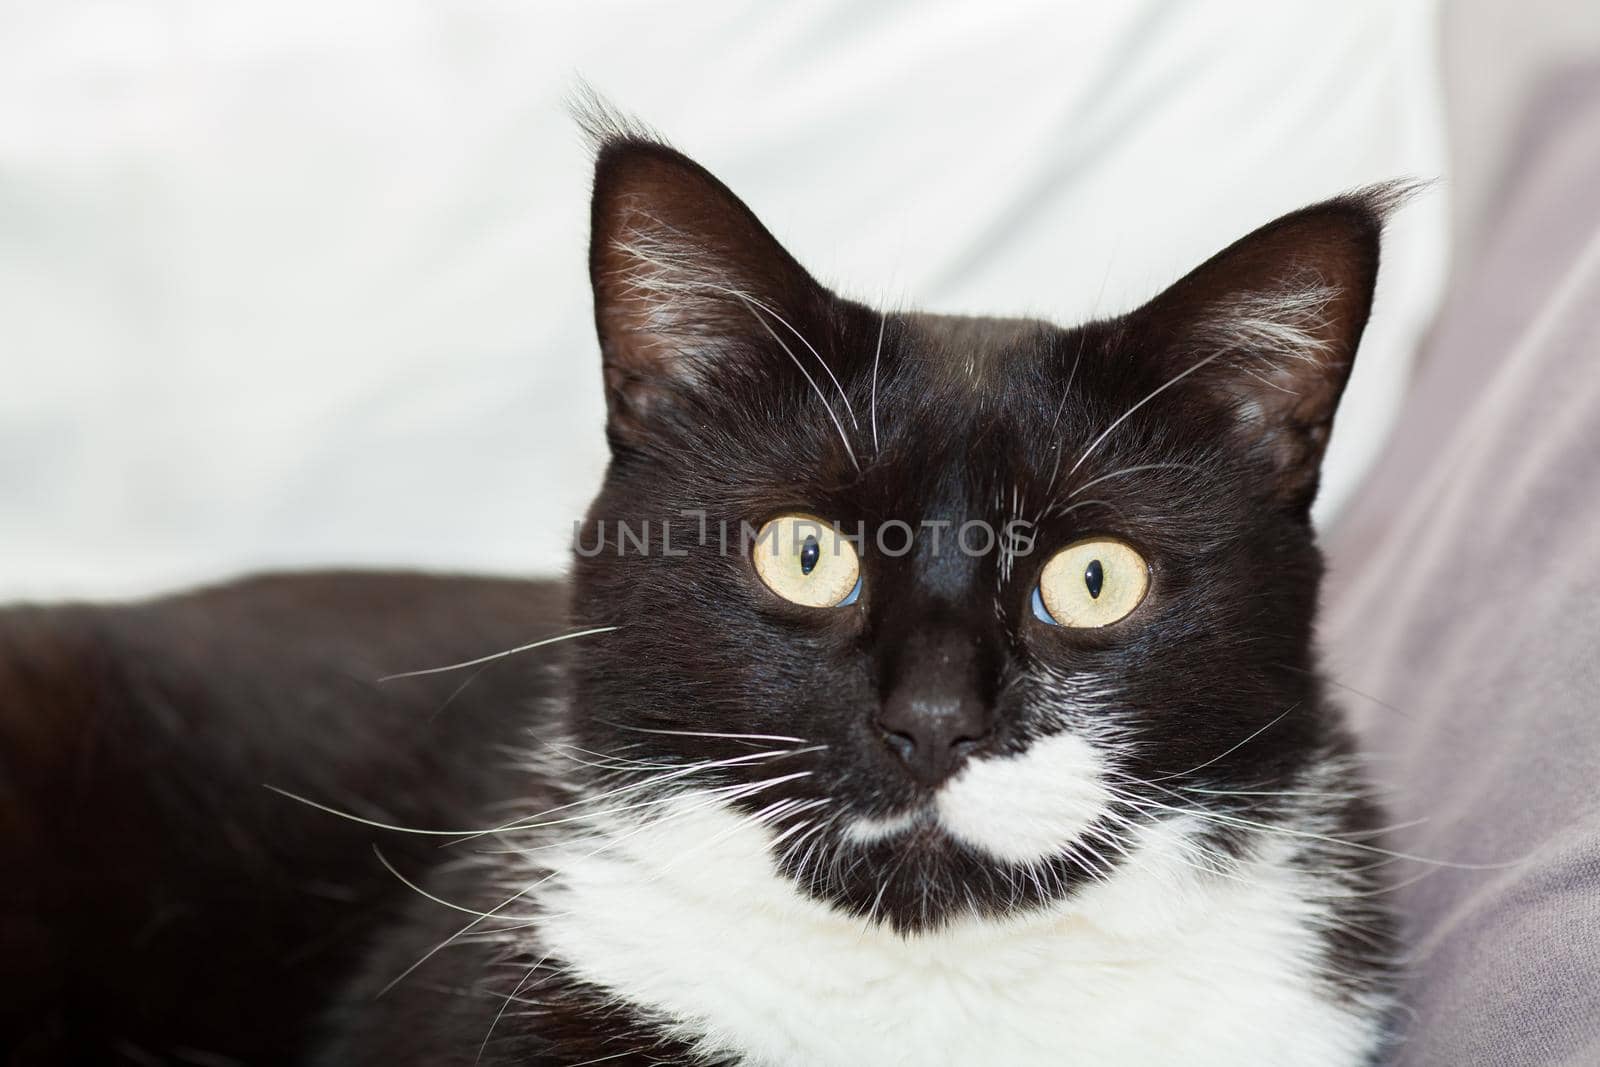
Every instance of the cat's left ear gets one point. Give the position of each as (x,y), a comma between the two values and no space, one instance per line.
(1270,326)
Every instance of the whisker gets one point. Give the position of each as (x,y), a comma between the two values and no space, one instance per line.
(447,942)
(457,691)
(498,655)
(877,353)
(827,369)
(1066,392)
(1183,774)
(590,815)
(1157,391)
(796,828)
(1070,508)
(710,733)
(507,1003)
(843,437)
(1134,470)
(604,762)
(493,912)
(414,887)
(1308,793)
(1250,824)
(531,821)
(365,821)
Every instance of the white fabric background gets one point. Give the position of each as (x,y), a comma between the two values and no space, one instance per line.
(302,282)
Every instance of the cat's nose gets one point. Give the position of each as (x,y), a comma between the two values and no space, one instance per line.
(932,737)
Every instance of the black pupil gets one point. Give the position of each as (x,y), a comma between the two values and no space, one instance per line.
(1094,576)
(810,552)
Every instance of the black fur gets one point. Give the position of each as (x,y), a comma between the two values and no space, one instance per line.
(159,904)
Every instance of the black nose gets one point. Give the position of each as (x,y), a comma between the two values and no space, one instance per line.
(932,736)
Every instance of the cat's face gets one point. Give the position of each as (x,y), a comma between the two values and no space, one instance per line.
(1077,597)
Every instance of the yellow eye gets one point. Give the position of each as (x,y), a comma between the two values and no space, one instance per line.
(807,561)
(1091,583)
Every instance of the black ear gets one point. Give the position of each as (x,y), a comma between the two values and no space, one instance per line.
(1270,326)
(686,279)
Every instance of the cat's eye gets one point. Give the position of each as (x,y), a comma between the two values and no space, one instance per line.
(805,560)
(1091,583)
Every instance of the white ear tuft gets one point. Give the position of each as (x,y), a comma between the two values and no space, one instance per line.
(686,279)
(1275,319)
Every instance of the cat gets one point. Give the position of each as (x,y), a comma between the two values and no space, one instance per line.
(926,690)
(943,688)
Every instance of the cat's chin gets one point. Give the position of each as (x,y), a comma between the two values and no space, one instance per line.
(912,873)
(1007,833)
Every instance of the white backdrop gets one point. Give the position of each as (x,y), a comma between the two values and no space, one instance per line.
(303,282)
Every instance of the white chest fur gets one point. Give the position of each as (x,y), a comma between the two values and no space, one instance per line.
(1161,964)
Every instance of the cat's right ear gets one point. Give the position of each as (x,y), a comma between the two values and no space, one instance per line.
(686,279)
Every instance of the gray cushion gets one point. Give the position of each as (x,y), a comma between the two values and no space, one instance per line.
(1463,616)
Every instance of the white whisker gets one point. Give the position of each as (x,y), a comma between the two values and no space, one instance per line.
(499,655)
(1157,391)
(513,996)
(1224,755)
(1133,470)
(873,409)
(712,733)
(843,437)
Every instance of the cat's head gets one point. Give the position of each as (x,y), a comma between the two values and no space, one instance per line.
(1075,592)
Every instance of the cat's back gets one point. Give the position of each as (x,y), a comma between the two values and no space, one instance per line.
(161,895)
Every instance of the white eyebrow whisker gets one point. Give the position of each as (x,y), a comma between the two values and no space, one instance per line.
(827,369)
(1151,395)
(1134,470)
(877,354)
(845,438)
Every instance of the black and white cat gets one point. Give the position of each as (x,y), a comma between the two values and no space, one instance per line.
(939,691)
(943,690)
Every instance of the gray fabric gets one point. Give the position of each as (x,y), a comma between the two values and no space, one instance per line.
(1463,615)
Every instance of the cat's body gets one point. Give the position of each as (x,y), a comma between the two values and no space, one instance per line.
(1066,790)
(158,902)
